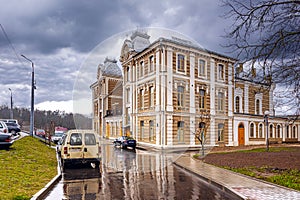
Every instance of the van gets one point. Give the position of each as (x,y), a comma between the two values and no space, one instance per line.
(80,147)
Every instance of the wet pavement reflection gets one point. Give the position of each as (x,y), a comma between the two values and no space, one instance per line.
(128,174)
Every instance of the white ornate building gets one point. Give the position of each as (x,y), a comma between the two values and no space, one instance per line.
(172,89)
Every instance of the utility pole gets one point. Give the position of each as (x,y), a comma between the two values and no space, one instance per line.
(32,97)
(11,105)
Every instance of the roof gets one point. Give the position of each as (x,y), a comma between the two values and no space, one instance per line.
(110,68)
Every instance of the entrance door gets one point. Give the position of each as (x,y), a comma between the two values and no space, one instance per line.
(241,133)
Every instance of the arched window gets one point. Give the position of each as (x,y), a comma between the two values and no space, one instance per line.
(252,130)
(271,131)
(180,131)
(220,132)
(278,131)
(260,131)
(257,106)
(237,104)
(151,131)
(294,132)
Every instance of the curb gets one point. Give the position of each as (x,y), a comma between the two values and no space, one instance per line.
(213,182)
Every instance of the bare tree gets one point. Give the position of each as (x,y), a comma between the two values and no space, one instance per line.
(267,33)
(201,131)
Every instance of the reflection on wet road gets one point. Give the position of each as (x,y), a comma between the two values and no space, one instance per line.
(127,174)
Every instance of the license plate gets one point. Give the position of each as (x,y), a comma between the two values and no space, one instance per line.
(75,150)
(131,142)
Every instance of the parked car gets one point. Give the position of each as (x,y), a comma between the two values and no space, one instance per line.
(125,142)
(6,140)
(13,128)
(80,147)
(57,136)
(59,144)
(40,132)
(3,127)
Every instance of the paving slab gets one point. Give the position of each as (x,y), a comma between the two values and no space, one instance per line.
(245,187)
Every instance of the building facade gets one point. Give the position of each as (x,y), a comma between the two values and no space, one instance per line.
(174,89)
(107,99)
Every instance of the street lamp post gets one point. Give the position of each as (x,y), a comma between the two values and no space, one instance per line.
(11,105)
(32,97)
(267,129)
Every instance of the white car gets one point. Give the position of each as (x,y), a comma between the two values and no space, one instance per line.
(80,147)
(3,127)
(57,136)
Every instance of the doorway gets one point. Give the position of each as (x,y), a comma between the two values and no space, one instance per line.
(241,134)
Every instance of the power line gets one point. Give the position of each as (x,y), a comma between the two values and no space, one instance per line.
(9,42)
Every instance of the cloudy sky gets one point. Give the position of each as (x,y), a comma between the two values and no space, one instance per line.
(66,40)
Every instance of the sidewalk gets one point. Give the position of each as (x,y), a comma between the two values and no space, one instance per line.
(245,187)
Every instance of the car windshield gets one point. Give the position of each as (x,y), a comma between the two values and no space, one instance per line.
(58,134)
(11,124)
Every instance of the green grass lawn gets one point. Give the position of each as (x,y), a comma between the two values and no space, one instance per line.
(26,168)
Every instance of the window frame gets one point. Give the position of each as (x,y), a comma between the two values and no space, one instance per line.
(221,101)
(180,131)
(180,97)
(221,73)
(204,67)
(202,99)
(179,63)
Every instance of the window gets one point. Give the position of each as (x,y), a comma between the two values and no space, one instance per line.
(89,139)
(278,131)
(271,131)
(151,64)
(237,104)
(127,74)
(127,116)
(294,132)
(180,63)
(202,99)
(220,132)
(257,106)
(221,72)
(141,68)
(221,101)
(180,96)
(201,68)
(128,95)
(287,131)
(141,98)
(76,139)
(202,130)
(260,131)
(151,96)
(142,129)
(180,134)
(151,131)
(252,130)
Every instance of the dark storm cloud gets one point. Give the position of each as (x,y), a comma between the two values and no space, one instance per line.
(59,34)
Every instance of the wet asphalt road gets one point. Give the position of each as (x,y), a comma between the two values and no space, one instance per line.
(128,174)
